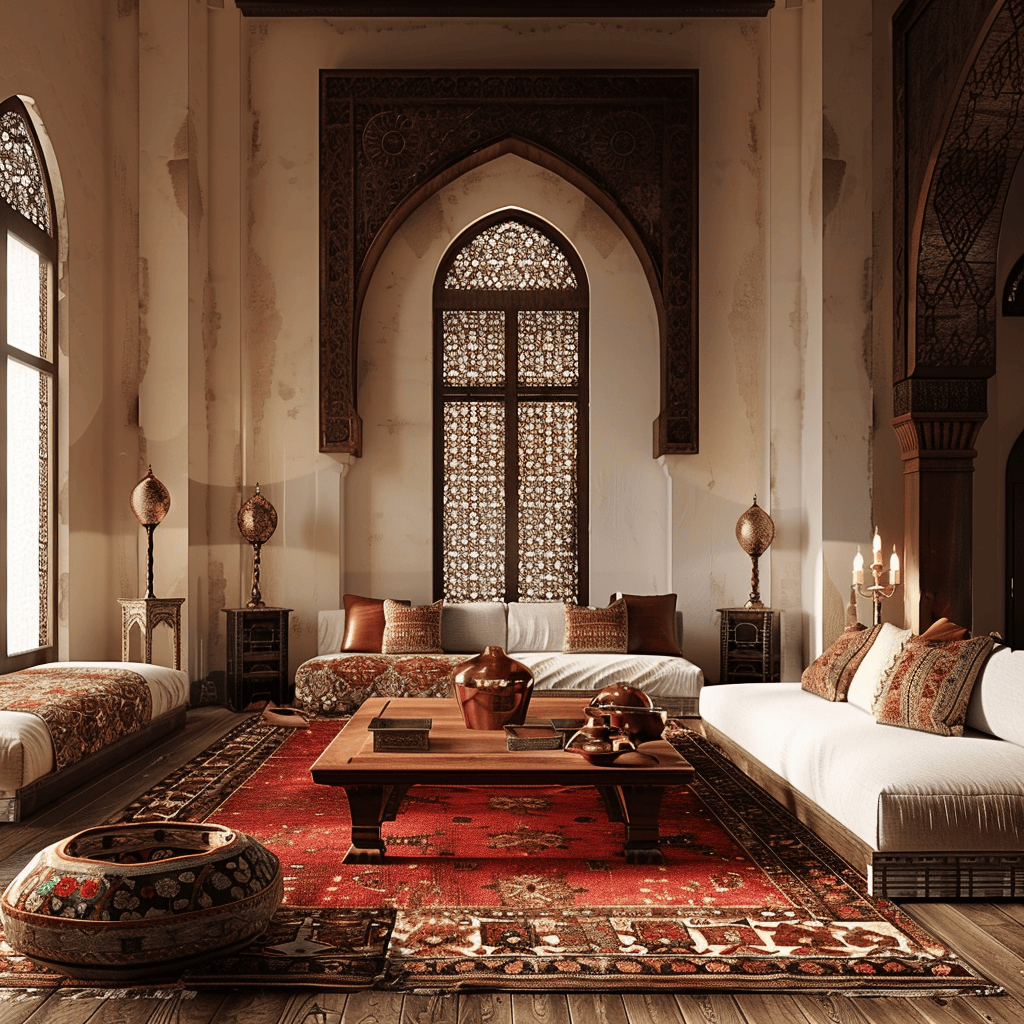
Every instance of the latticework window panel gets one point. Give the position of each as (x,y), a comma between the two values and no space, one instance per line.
(510,255)
(549,343)
(28,256)
(548,562)
(510,397)
(474,501)
(21,180)
(474,347)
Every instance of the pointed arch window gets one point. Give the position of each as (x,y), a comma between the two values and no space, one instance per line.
(28,258)
(510,415)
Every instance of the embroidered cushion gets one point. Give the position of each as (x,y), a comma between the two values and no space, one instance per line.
(651,622)
(364,624)
(830,674)
(596,630)
(929,685)
(412,630)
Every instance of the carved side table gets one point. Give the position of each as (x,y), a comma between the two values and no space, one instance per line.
(147,613)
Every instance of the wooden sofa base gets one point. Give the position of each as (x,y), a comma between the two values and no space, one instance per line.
(903,875)
(28,799)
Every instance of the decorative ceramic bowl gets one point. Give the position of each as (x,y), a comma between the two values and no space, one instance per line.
(119,901)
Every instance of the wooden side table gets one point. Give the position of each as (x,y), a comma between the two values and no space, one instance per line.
(257,655)
(751,646)
(148,613)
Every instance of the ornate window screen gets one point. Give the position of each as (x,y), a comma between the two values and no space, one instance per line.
(510,402)
(28,256)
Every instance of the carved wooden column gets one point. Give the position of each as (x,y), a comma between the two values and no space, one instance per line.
(937,447)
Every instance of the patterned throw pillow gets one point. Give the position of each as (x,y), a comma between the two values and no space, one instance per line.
(830,674)
(409,630)
(929,685)
(596,630)
(651,620)
(364,624)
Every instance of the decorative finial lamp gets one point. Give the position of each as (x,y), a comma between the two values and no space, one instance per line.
(755,532)
(150,501)
(257,521)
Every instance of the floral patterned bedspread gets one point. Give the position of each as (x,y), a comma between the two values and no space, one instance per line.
(337,686)
(84,708)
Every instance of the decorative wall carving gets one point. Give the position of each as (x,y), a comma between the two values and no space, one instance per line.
(388,141)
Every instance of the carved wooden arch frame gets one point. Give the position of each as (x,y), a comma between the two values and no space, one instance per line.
(391,140)
(946,234)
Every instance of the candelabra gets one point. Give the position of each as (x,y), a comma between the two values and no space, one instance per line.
(880,591)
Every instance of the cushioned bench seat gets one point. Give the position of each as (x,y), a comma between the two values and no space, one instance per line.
(338,682)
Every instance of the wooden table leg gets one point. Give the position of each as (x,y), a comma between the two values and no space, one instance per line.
(369,807)
(641,807)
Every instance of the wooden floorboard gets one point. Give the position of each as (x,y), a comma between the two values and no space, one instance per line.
(990,936)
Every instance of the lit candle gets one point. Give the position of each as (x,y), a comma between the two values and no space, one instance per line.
(858,567)
(894,567)
(876,549)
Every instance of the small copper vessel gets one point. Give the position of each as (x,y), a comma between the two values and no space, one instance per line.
(493,690)
(599,741)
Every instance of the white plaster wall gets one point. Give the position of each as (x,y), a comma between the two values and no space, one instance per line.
(78,64)
(388,537)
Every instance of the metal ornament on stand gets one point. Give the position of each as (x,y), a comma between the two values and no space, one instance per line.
(150,501)
(755,532)
(257,521)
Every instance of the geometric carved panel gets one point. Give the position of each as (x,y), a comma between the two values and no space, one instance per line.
(390,140)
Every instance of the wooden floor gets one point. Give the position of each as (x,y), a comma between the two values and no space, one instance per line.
(991,936)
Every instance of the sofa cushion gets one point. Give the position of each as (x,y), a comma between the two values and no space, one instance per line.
(997,702)
(897,790)
(651,619)
(929,684)
(364,623)
(878,657)
(412,630)
(945,630)
(536,626)
(473,626)
(596,630)
(830,674)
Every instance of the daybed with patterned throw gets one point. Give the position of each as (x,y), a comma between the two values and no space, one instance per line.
(636,640)
(905,754)
(64,722)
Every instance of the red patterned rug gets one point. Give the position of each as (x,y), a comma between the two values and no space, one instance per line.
(528,888)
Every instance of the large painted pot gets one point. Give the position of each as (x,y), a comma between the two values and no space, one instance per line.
(121,901)
(493,690)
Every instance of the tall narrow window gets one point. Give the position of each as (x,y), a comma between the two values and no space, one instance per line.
(510,415)
(28,256)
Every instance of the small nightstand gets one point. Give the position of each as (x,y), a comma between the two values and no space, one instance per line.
(751,648)
(257,655)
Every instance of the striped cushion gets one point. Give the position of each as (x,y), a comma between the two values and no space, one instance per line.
(929,685)
(830,674)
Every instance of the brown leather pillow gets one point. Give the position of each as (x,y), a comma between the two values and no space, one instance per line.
(652,623)
(364,624)
(945,631)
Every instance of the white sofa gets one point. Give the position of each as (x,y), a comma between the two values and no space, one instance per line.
(923,815)
(531,632)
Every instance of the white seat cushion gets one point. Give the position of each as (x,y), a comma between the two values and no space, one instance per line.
(897,789)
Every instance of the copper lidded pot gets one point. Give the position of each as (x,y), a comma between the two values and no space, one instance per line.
(493,690)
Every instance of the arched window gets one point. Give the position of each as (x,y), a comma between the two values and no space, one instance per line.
(510,415)
(28,260)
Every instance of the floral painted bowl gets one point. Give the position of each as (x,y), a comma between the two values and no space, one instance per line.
(123,900)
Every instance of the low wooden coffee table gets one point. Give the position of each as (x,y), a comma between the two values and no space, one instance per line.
(375,782)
